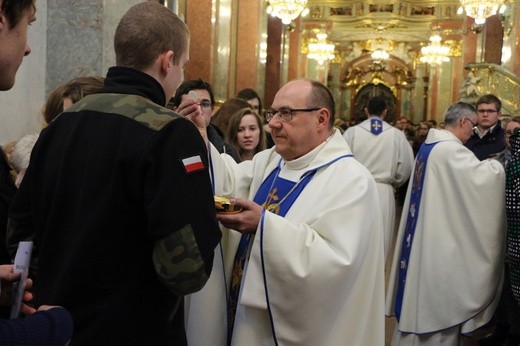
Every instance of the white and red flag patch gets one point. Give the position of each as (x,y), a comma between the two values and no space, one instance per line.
(193,164)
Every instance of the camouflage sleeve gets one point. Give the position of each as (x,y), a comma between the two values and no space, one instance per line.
(178,262)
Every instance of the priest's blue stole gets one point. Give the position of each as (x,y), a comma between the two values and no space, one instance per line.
(276,195)
(411,221)
(376,126)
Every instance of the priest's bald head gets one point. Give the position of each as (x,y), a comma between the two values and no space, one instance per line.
(460,119)
(301,117)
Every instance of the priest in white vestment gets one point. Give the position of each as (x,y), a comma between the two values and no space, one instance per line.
(314,276)
(447,268)
(387,154)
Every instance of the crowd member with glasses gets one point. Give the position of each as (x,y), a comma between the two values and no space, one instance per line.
(488,138)
(448,261)
(194,95)
(305,254)
(387,154)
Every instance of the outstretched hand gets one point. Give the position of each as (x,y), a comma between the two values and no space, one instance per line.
(244,222)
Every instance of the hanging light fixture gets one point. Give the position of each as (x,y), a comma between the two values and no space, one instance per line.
(320,50)
(481,9)
(287,10)
(435,52)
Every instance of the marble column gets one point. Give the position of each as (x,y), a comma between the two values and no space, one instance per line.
(80,36)
(70,38)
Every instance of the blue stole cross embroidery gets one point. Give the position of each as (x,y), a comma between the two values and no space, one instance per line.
(411,221)
(276,195)
(376,126)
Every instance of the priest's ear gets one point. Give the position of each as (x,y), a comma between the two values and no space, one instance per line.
(323,118)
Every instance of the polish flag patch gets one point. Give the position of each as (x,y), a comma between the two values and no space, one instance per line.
(193,164)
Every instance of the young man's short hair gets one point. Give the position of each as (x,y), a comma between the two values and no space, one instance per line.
(147,30)
(489,99)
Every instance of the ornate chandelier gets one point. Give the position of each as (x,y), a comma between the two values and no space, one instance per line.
(435,53)
(481,9)
(287,10)
(321,51)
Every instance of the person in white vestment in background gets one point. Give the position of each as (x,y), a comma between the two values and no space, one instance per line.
(387,154)
(446,274)
(310,247)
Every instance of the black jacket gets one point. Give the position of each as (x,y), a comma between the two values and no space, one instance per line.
(489,145)
(110,179)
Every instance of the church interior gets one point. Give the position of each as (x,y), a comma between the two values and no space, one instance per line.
(421,56)
(418,55)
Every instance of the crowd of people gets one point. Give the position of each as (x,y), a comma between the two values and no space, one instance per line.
(117,193)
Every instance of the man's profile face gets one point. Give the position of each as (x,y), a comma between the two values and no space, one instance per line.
(13,46)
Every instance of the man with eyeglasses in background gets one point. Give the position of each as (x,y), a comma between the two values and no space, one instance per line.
(194,94)
(488,137)
(306,265)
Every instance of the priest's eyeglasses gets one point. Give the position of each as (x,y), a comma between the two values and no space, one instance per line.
(471,122)
(285,114)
